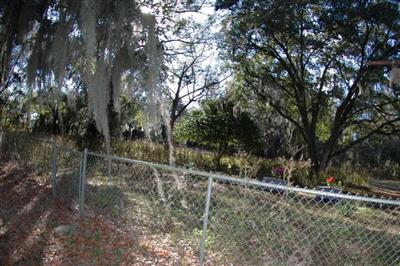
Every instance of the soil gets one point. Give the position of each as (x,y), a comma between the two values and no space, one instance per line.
(37,229)
(389,189)
(30,222)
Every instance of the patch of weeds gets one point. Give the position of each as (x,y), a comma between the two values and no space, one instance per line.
(115,212)
(97,236)
(119,252)
(198,235)
(98,251)
(346,208)
(366,212)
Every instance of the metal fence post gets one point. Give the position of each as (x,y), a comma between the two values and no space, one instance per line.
(82,181)
(205,221)
(54,169)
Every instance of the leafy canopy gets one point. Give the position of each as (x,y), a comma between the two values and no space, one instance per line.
(309,61)
(218,124)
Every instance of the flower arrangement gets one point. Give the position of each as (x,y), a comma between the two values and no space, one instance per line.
(330,181)
(278,171)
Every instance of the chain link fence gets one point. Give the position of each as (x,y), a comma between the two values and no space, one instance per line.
(225,220)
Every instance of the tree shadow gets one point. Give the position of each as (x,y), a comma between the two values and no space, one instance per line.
(28,215)
(67,188)
(108,200)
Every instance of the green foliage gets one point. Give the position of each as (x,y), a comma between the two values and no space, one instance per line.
(308,60)
(216,125)
(346,208)
(246,165)
(279,100)
(210,239)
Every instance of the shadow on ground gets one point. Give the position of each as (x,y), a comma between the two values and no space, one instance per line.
(29,215)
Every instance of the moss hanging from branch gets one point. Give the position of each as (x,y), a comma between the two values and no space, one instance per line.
(154,56)
(107,42)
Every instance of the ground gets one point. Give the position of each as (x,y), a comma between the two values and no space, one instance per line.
(379,188)
(30,223)
(389,188)
(38,229)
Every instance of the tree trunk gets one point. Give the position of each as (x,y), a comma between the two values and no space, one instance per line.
(54,122)
(321,161)
(324,162)
(313,153)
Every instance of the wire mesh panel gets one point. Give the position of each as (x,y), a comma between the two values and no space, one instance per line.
(66,186)
(232,221)
(28,151)
(155,201)
(5,147)
(252,225)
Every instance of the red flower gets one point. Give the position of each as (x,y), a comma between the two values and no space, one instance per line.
(330,179)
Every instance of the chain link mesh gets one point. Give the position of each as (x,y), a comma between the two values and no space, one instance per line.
(29,152)
(249,223)
(68,166)
(156,202)
(255,226)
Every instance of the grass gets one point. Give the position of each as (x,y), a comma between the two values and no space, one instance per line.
(247,225)
(241,165)
(353,177)
(257,227)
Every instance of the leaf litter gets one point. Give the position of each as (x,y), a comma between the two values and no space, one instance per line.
(30,218)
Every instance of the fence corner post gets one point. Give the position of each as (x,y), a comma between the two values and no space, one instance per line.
(205,221)
(54,169)
(82,182)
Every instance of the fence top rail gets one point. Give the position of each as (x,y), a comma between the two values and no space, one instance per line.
(222,177)
(247,182)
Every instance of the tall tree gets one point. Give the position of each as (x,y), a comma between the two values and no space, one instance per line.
(191,75)
(219,125)
(106,41)
(309,61)
(186,42)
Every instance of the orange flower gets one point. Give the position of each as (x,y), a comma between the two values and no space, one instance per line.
(330,179)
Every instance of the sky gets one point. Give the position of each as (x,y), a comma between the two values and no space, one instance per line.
(212,56)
